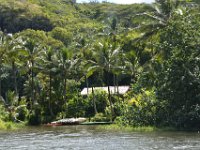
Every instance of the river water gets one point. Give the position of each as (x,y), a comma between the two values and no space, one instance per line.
(92,138)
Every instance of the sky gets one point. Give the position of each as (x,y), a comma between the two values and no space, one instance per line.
(121,1)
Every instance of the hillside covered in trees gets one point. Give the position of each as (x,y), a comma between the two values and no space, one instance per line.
(50,50)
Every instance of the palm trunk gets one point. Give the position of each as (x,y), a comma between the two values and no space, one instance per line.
(0,87)
(114,83)
(152,50)
(65,90)
(64,97)
(32,85)
(15,77)
(64,83)
(50,94)
(87,84)
(0,77)
(117,87)
(109,98)
(93,99)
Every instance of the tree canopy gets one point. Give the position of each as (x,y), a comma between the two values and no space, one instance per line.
(50,50)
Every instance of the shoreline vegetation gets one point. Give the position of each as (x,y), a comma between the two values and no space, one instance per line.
(139,64)
(5,126)
(117,127)
(11,125)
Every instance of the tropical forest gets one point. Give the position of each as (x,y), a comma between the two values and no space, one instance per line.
(50,50)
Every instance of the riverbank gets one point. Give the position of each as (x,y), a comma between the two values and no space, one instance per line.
(106,127)
(116,127)
(11,125)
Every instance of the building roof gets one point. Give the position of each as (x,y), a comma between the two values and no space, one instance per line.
(113,90)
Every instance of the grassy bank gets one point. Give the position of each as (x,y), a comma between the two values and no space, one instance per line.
(115,127)
(11,125)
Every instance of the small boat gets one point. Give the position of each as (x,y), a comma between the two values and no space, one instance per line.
(53,124)
(96,123)
(67,121)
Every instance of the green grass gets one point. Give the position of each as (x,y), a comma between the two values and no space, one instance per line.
(11,125)
(116,127)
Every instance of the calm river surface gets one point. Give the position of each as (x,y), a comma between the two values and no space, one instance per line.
(91,138)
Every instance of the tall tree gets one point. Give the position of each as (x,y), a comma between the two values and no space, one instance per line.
(5,40)
(48,67)
(32,55)
(13,58)
(66,64)
(104,61)
(163,11)
(178,78)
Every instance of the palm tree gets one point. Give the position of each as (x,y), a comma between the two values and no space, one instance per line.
(5,40)
(120,67)
(163,11)
(104,61)
(86,54)
(158,19)
(66,64)
(48,67)
(33,52)
(14,53)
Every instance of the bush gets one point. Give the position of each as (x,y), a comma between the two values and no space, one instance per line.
(4,115)
(22,113)
(139,110)
(76,107)
(22,110)
(101,100)
(35,116)
(99,117)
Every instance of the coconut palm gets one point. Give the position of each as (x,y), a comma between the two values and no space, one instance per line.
(14,53)
(159,17)
(48,67)
(66,64)
(104,61)
(5,40)
(33,52)
(86,54)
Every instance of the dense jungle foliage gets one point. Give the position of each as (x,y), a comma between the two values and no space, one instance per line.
(50,50)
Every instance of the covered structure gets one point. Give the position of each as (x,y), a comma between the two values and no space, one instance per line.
(121,90)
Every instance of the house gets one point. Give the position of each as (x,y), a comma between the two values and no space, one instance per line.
(113,90)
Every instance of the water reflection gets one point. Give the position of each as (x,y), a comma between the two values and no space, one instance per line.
(90,138)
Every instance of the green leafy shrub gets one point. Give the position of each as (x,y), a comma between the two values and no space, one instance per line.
(100,117)
(22,113)
(4,115)
(35,116)
(139,110)
(75,107)
(101,100)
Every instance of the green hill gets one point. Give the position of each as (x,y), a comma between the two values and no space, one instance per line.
(19,15)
